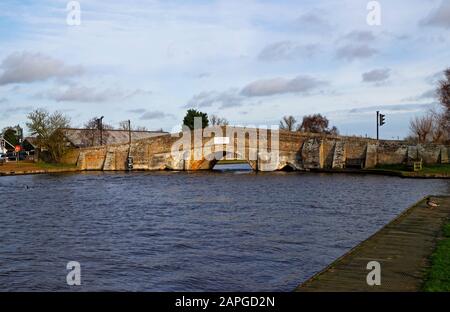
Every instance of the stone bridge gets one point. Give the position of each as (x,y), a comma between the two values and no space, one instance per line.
(264,150)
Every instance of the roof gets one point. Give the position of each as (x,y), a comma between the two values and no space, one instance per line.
(31,141)
(83,137)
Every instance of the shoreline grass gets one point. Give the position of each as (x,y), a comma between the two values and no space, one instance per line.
(44,165)
(438,169)
(438,277)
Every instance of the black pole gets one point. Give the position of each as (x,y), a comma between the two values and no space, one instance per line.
(100,125)
(378,125)
(101,131)
(129,131)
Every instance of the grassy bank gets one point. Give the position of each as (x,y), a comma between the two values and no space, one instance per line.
(25,167)
(43,165)
(438,279)
(440,170)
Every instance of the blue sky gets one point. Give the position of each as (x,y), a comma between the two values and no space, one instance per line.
(248,61)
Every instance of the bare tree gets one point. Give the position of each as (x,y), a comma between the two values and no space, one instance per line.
(422,127)
(215,120)
(444,90)
(91,134)
(435,125)
(288,123)
(123,125)
(444,98)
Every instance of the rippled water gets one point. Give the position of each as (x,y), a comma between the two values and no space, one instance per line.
(167,231)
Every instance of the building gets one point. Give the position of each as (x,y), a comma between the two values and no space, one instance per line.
(93,137)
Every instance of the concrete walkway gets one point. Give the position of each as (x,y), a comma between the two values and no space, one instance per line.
(402,248)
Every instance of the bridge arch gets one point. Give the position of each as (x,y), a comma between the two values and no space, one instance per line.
(213,158)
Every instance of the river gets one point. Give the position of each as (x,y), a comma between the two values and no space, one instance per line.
(225,230)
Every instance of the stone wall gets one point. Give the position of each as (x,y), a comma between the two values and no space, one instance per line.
(299,151)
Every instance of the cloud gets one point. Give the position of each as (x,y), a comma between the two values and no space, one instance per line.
(439,17)
(268,87)
(29,67)
(203,75)
(3,100)
(150,115)
(286,50)
(376,75)
(75,93)
(430,94)
(434,79)
(313,21)
(360,36)
(352,52)
(386,109)
(225,99)
(137,111)
(9,111)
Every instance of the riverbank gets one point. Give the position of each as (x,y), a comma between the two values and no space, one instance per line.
(433,172)
(25,167)
(403,248)
(441,171)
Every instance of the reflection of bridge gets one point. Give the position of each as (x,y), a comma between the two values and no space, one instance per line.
(294,150)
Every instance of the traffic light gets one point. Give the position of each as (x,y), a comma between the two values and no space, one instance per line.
(382,119)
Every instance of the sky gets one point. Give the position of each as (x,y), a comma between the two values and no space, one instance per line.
(251,62)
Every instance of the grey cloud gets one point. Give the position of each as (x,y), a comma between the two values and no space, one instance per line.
(439,17)
(351,52)
(150,115)
(313,21)
(84,94)
(29,67)
(430,94)
(399,108)
(203,75)
(267,87)
(137,111)
(6,112)
(376,75)
(138,92)
(435,78)
(226,99)
(286,50)
(360,36)
(369,111)
(3,100)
